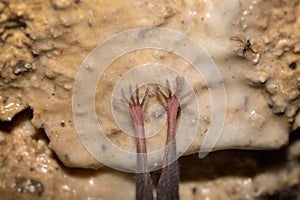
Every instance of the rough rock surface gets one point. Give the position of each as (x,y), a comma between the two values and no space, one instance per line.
(271,33)
(44,42)
(255,44)
(30,170)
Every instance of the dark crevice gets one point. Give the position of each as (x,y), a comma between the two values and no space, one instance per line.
(245,163)
(41,135)
(27,114)
(14,23)
(294,136)
(289,193)
(7,126)
(241,163)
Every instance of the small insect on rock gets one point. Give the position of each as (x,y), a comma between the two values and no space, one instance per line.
(245,49)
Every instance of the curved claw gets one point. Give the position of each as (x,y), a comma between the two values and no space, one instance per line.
(131,93)
(179,85)
(143,178)
(121,103)
(137,94)
(189,93)
(134,96)
(145,96)
(124,95)
(169,88)
(178,90)
(160,92)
